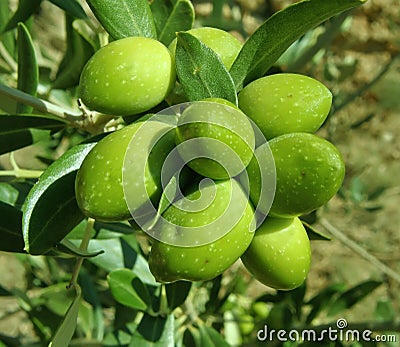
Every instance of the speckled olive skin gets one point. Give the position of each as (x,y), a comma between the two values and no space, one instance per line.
(170,263)
(98,185)
(226,139)
(127,76)
(309,172)
(279,255)
(224,44)
(285,103)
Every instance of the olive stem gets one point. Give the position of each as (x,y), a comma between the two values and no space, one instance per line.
(40,105)
(83,247)
(19,173)
(359,250)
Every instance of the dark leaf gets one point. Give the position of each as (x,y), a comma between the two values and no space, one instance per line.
(17,131)
(28,71)
(11,229)
(124,18)
(72,7)
(50,211)
(201,72)
(271,39)
(177,293)
(68,249)
(66,330)
(314,234)
(154,332)
(26,8)
(170,19)
(352,296)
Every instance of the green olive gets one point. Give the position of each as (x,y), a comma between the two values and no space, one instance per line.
(101,191)
(212,236)
(279,255)
(127,76)
(216,140)
(285,103)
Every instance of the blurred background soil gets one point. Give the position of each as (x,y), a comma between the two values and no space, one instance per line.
(366,130)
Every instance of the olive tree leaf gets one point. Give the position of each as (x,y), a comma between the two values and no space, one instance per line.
(128,289)
(26,8)
(50,211)
(72,7)
(66,248)
(314,234)
(154,332)
(78,51)
(352,296)
(11,229)
(278,32)
(170,18)
(210,337)
(177,293)
(66,330)
(28,70)
(124,18)
(17,131)
(201,72)
(7,38)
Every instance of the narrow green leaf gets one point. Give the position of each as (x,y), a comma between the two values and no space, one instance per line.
(278,32)
(67,248)
(128,289)
(170,19)
(201,72)
(177,293)
(16,130)
(211,338)
(314,234)
(124,18)
(154,332)
(352,296)
(28,70)
(11,229)
(66,330)
(72,7)
(7,39)
(77,53)
(26,8)
(14,193)
(50,211)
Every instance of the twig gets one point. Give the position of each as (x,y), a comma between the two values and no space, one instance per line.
(8,58)
(83,247)
(40,105)
(359,250)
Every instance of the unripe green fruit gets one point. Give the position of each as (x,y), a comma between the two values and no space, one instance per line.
(128,76)
(279,255)
(216,140)
(224,44)
(99,182)
(285,103)
(309,172)
(229,214)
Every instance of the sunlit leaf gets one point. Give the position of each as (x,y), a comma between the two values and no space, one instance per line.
(271,39)
(124,18)
(201,72)
(172,17)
